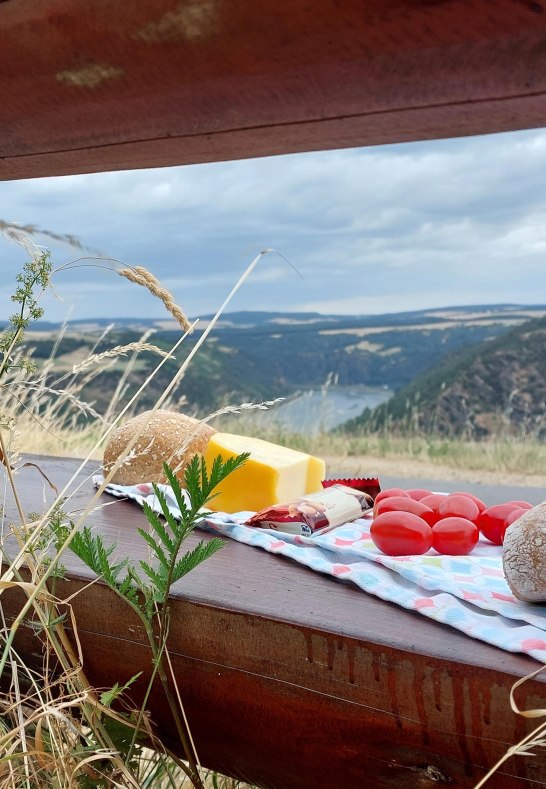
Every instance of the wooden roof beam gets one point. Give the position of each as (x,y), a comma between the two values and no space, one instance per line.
(100,86)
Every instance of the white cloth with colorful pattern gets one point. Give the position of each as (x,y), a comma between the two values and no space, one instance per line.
(469,593)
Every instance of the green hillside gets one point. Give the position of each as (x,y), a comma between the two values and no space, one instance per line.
(260,356)
(493,387)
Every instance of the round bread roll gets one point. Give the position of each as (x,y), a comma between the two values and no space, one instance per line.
(168,437)
(524,555)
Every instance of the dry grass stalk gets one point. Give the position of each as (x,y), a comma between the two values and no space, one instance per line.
(533,740)
(141,276)
(22,236)
(237,409)
(122,383)
(118,350)
(67,397)
(229,409)
(40,710)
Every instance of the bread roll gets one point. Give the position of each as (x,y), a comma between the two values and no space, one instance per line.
(524,555)
(168,437)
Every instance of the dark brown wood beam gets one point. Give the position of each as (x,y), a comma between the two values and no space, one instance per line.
(144,83)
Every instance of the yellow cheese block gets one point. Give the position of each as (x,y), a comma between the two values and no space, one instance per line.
(272,474)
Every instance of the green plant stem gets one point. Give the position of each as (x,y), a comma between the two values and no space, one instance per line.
(188,750)
(18,333)
(163,619)
(16,339)
(158,668)
(157,646)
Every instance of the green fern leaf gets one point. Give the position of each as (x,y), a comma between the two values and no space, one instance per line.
(155,577)
(161,531)
(169,517)
(176,488)
(156,548)
(190,560)
(200,484)
(155,522)
(108,696)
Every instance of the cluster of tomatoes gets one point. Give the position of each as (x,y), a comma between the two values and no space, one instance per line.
(410,522)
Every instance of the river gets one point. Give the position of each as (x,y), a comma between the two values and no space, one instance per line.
(318,410)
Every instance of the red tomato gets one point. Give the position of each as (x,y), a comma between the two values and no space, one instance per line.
(401,534)
(454,536)
(401,504)
(385,494)
(523,504)
(510,519)
(433,501)
(458,506)
(418,493)
(492,521)
(481,505)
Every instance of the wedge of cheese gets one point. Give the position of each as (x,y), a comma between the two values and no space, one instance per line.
(272,474)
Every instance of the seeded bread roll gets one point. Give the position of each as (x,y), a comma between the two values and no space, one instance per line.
(168,437)
(524,555)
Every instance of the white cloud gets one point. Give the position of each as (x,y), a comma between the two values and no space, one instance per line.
(378,229)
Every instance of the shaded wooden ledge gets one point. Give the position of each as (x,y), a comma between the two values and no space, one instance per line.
(294,680)
(145,83)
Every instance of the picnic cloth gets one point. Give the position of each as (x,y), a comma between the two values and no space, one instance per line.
(469,593)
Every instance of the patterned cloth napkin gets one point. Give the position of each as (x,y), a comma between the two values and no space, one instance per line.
(469,593)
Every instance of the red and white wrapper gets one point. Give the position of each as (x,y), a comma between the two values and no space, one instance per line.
(369,485)
(315,513)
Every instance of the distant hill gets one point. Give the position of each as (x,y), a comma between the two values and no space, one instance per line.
(494,387)
(262,355)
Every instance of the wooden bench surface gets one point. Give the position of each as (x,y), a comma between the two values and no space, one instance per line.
(294,680)
(113,85)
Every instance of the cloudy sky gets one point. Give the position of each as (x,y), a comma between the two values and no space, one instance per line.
(369,230)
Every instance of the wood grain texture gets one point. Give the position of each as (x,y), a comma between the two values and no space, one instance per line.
(145,83)
(293,680)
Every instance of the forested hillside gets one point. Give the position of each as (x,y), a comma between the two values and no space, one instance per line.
(494,387)
(255,356)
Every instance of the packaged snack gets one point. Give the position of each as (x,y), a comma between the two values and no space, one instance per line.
(315,513)
(369,485)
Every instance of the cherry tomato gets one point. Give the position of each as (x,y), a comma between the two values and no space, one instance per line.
(458,506)
(418,493)
(385,494)
(523,504)
(390,492)
(492,521)
(401,504)
(433,501)
(481,505)
(510,519)
(454,536)
(401,534)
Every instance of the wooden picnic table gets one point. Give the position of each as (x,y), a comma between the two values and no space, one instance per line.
(295,680)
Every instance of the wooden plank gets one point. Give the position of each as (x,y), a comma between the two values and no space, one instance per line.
(293,680)
(109,85)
